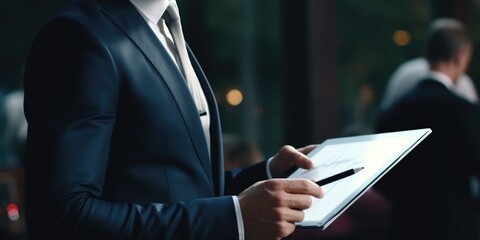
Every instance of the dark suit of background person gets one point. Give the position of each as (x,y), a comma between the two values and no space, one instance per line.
(115,146)
(429,190)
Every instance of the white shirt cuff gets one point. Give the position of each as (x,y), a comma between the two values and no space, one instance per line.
(238,212)
(269,174)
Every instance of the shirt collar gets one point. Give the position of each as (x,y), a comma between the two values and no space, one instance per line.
(443,78)
(151,9)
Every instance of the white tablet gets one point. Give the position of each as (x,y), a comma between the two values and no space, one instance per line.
(377,153)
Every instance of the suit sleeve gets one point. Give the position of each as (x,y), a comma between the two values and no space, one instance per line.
(72,88)
(240,179)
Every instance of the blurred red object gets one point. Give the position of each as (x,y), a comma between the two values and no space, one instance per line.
(12,217)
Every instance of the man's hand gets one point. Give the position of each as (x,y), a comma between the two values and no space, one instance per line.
(271,208)
(288,157)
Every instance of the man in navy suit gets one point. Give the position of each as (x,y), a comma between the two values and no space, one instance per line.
(430,189)
(116,148)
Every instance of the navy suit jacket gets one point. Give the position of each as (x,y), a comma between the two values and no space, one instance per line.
(430,188)
(115,146)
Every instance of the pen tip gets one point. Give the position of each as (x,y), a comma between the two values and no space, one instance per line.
(358,169)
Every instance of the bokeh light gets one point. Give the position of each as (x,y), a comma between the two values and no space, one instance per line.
(401,38)
(234,97)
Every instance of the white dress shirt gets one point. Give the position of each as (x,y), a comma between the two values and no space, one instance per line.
(152,11)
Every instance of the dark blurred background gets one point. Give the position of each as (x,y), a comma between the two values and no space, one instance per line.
(284,72)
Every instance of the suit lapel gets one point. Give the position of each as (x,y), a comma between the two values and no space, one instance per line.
(127,18)
(215,128)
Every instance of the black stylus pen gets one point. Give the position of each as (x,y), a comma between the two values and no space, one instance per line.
(338,176)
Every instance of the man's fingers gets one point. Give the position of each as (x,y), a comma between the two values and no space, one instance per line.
(304,161)
(297,157)
(285,229)
(288,158)
(307,149)
(274,206)
(301,186)
(299,202)
(288,215)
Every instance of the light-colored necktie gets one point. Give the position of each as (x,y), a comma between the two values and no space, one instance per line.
(172,19)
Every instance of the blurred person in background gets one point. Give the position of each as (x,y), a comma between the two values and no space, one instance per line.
(15,132)
(430,189)
(407,76)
